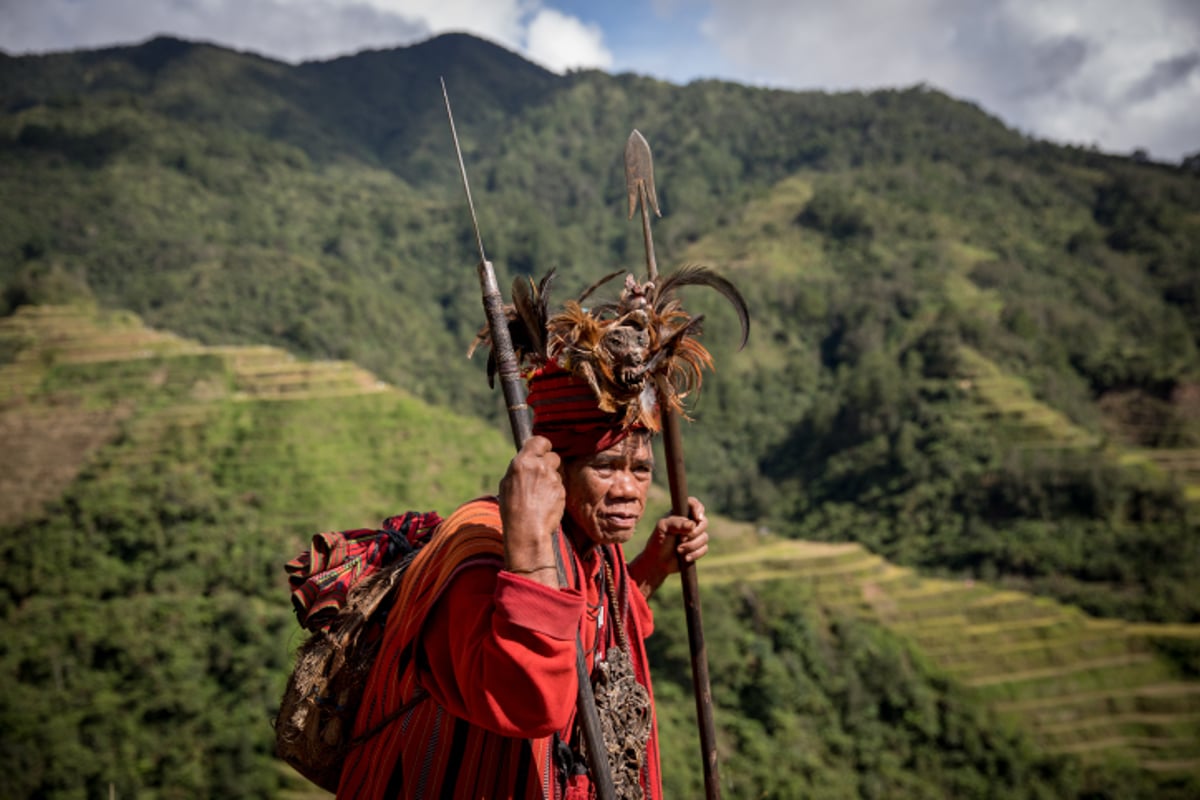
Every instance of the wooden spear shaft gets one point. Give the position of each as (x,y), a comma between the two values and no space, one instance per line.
(639,179)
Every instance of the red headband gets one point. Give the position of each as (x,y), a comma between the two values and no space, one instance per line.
(566,412)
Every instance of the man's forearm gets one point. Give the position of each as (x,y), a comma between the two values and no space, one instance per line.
(645,577)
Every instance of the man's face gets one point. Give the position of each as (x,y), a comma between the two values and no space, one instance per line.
(606,493)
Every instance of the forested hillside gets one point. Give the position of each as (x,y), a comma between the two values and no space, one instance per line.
(148,631)
(972,352)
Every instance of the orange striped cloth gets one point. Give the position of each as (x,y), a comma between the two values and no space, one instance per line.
(414,748)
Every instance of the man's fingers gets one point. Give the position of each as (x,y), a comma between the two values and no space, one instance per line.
(537,447)
(690,526)
(684,529)
(677,526)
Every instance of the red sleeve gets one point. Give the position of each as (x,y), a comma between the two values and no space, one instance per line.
(642,613)
(500,651)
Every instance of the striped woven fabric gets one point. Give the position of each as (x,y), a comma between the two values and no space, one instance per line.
(321,577)
(566,412)
(419,750)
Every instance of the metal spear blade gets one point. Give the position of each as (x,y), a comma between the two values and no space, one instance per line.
(639,173)
(639,180)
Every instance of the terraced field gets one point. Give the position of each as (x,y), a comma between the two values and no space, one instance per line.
(54,352)
(39,336)
(1007,402)
(85,386)
(1096,688)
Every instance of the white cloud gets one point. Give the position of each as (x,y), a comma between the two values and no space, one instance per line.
(560,42)
(1124,74)
(501,21)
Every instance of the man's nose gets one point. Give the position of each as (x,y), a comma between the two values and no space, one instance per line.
(624,483)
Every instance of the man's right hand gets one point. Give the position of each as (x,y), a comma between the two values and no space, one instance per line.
(532,499)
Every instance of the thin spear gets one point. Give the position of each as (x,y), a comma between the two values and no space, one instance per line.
(518,417)
(639,180)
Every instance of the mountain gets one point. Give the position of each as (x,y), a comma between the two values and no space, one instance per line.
(972,352)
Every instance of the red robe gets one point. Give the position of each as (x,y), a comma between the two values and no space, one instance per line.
(495,653)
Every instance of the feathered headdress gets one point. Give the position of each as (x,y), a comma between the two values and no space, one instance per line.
(638,354)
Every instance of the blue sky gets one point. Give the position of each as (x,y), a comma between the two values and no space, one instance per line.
(1115,74)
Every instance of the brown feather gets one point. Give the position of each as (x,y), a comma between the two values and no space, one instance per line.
(695,275)
(532,329)
(588,291)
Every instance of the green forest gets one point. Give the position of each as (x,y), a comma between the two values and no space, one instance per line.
(237,297)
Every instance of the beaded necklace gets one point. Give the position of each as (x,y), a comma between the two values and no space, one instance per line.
(623,704)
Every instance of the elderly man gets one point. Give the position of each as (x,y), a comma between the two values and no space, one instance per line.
(474,691)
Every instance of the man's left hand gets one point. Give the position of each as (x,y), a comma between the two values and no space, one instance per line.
(673,537)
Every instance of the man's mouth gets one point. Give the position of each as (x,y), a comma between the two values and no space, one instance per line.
(620,520)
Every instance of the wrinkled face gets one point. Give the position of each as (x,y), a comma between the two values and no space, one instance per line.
(606,493)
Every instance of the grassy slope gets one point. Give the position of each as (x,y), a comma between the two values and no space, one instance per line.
(1082,685)
(393,448)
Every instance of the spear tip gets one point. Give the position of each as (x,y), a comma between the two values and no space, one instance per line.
(639,173)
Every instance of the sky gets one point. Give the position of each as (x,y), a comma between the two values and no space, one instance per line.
(1119,75)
